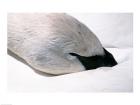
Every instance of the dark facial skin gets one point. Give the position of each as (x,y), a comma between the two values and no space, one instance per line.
(96,61)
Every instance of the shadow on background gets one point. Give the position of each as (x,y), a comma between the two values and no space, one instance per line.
(23,61)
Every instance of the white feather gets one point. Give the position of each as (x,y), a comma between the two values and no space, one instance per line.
(45,41)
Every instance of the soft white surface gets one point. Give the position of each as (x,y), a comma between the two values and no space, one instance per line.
(113,30)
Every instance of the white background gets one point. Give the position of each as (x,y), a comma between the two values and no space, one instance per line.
(114,30)
(68,6)
(115,33)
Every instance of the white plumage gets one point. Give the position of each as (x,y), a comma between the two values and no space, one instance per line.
(44,41)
